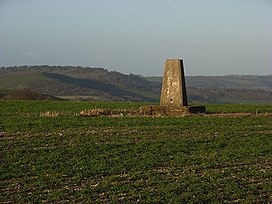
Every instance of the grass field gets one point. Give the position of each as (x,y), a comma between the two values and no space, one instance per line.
(209,158)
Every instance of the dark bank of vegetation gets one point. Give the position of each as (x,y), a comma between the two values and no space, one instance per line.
(99,84)
(193,159)
(25,94)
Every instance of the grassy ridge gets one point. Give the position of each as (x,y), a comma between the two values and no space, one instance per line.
(98,84)
(20,79)
(198,159)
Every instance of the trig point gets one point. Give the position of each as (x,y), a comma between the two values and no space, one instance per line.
(173,91)
(173,94)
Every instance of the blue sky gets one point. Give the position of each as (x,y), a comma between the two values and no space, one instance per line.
(214,37)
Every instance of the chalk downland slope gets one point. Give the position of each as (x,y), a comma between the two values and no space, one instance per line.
(99,84)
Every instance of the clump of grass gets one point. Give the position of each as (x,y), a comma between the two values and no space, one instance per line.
(55,113)
(95,112)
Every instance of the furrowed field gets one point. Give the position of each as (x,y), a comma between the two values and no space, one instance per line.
(221,157)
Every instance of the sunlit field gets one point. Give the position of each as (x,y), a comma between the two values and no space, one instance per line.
(224,156)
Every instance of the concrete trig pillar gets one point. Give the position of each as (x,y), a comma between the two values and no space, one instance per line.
(173,91)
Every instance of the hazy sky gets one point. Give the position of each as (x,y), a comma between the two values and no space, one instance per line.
(214,37)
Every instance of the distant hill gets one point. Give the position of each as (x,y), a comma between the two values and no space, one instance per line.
(217,95)
(99,84)
(79,83)
(226,82)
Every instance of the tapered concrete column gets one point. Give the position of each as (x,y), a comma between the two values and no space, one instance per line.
(173,91)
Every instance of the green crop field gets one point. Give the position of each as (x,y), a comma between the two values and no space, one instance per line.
(219,157)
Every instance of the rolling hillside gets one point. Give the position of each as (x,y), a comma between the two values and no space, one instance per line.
(79,83)
(99,84)
(226,82)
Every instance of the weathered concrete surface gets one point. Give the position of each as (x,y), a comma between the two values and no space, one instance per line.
(173,100)
(173,86)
